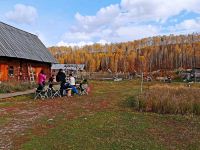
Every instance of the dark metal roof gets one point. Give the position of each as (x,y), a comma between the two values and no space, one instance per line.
(68,66)
(17,43)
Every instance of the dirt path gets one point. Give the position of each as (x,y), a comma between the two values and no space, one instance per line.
(8,95)
(23,118)
(17,125)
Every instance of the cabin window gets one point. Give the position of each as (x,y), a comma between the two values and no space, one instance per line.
(11,71)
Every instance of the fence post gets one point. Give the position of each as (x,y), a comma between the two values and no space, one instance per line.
(141,87)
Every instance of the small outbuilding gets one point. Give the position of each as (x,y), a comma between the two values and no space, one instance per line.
(22,55)
(68,68)
(195,73)
(191,74)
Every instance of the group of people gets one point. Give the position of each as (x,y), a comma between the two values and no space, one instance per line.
(66,83)
(70,83)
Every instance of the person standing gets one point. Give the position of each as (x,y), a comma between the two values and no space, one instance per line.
(61,77)
(41,80)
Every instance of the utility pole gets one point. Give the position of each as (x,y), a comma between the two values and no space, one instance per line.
(141,86)
(141,59)
(194,57)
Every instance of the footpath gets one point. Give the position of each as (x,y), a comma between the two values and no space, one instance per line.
(8,95)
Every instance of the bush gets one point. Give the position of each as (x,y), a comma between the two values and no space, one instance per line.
(170,100)
(9,87)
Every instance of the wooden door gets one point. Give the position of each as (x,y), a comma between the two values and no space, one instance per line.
(3,72)
(37,71)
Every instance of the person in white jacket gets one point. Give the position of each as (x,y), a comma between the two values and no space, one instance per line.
(72,80)
(72,83)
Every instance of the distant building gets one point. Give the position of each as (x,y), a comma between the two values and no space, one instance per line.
(68,68)
(196,74)
(22,55)
(191,74)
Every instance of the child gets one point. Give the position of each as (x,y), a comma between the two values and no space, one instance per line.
(85,89)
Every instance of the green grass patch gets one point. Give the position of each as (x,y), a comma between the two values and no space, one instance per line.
(103,130)
(27,97)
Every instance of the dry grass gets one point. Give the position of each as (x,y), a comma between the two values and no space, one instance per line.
(9,87)
(167,99)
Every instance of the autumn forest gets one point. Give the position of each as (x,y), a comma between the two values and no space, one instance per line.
(147,54)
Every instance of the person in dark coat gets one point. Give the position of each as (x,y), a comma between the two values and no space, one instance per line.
(61,77)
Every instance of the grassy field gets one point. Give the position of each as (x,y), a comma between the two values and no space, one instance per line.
(106,119)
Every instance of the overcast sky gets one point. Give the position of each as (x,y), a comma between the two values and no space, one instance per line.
(79,22)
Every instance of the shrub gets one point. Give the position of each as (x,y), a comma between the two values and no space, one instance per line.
(170,100)
(9,87)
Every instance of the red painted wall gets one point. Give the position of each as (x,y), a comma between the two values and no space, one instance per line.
(20,69)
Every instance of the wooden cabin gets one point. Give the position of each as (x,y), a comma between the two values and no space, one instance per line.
(22,55)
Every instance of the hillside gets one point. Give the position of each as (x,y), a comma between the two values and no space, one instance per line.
(148,54)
